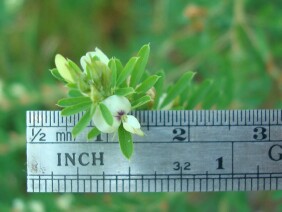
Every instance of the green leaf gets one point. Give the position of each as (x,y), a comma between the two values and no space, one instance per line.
(75,67)
(74,93)
(145,75)
(106,78)
(180,86)
(159,88)
(200,94)
(83,86)
(73,101)
(113,67)
(71,86)
(139,68)
(124,91)
(56,74)
(147,84)
(119,66)
(75,108)
(83,122)
(125,142)
(127,70)
(106,113)
(212,97)
(94,132)
(143,100)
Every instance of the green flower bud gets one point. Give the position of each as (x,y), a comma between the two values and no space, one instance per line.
(64,70)
(84,87)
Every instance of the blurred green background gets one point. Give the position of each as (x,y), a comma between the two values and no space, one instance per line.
(234,46)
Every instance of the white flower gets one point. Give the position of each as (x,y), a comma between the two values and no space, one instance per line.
(119,106)
(87,58)
(131,124)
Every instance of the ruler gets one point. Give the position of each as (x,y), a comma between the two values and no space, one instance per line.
(183,151)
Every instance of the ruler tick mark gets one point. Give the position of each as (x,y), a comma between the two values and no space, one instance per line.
(258,178)
(122,186)
(194,183)
(39,183)
(77,180)
(135,185)
(181,179)
(155,181)
(226,185)
(52,181)
(32,185)
(65,183)
(168,183)
(116,183)
(29,116)
(219,182)
(245,180)
(142,181)
(103,181)
(207,182)
(129,178)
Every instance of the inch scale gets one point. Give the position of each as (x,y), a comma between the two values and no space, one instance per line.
(183,151)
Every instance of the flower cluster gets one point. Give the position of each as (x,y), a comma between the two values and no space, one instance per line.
(107,91)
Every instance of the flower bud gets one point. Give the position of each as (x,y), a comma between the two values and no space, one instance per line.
(87,59)
(64,70)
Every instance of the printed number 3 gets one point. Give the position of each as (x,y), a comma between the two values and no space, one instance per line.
(260,133)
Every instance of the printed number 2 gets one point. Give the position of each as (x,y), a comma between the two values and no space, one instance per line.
(179,134)
(260,133)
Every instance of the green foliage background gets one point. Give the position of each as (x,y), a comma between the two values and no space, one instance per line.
(234,46)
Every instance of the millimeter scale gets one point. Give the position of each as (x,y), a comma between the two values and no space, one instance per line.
(182,151)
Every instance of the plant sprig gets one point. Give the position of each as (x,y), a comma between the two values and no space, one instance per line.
(107,91)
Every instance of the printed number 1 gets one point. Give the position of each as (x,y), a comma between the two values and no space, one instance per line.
(220,163)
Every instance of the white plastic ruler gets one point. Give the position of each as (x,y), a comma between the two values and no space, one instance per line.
(183,151)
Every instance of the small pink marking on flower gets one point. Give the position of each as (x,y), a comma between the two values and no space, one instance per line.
(120,114)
